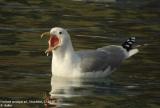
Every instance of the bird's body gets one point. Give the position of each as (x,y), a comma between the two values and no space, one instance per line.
(88,63)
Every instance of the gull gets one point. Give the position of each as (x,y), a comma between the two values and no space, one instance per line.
(66,62)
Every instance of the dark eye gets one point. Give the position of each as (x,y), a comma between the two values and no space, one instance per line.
(60,32)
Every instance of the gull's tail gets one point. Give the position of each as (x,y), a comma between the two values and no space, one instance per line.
(128,45)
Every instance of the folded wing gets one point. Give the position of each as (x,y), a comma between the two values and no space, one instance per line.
(102,58)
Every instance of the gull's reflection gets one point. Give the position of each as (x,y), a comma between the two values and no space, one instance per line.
(62,88)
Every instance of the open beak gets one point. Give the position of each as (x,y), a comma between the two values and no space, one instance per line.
(53,42)
(48,35)
(45,34)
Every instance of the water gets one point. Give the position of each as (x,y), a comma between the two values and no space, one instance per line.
(25,70)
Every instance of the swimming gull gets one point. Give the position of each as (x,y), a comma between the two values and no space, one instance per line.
(88,63)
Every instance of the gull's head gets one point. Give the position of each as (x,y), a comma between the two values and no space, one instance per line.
(58,38)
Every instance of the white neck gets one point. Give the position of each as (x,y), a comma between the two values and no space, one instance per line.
(64,60)
(63,51)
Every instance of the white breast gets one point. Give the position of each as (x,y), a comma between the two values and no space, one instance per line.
(66,67)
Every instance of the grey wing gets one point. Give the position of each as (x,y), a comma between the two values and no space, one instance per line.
(100,59)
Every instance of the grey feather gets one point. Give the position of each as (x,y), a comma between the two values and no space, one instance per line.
(100,59)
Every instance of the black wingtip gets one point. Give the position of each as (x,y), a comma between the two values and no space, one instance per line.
(128,44)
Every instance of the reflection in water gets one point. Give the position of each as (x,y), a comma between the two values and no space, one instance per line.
(60,85)
(63,88)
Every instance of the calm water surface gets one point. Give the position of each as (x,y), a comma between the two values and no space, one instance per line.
(25,69)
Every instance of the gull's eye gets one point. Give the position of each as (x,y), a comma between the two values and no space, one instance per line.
(60,32)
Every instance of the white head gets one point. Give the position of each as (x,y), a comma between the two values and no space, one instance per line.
(62,51)
(59,39)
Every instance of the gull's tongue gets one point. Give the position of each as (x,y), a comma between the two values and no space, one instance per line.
(54,41)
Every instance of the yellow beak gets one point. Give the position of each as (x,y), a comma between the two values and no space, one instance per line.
(45,34)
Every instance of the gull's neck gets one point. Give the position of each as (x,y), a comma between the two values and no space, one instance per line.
(65,62)
(63,52)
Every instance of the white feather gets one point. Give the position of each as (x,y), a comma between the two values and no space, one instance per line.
(132,52)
